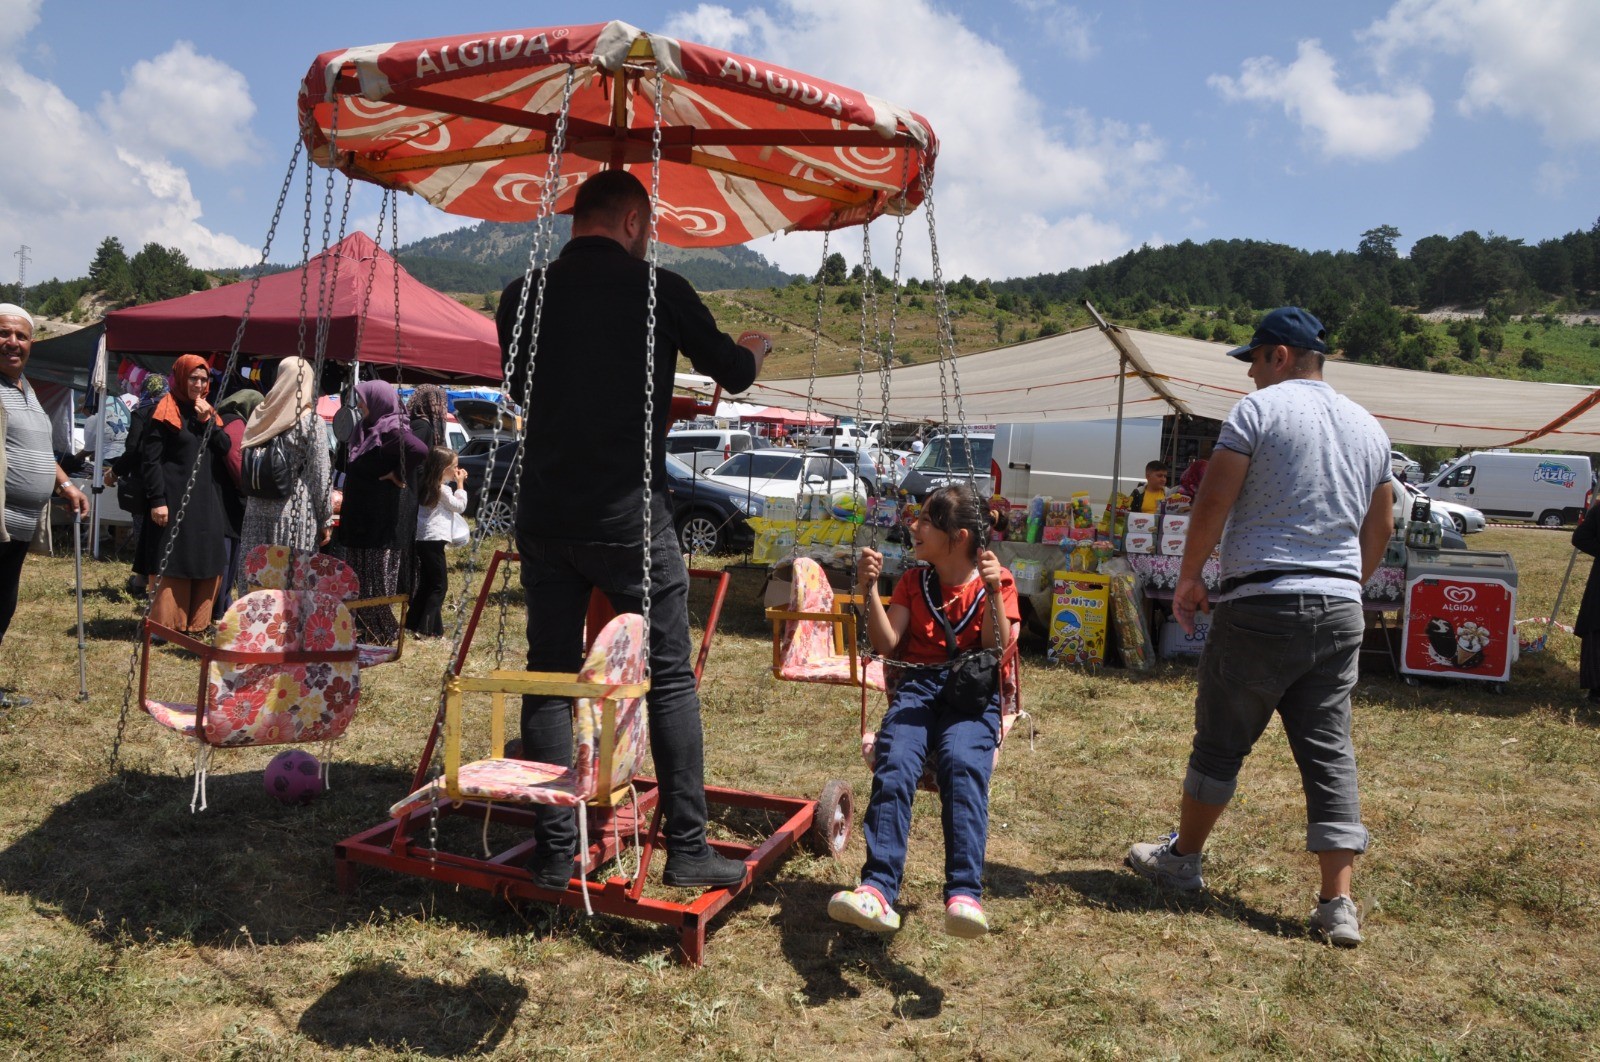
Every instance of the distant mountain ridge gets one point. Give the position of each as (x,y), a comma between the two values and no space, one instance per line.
(484,257)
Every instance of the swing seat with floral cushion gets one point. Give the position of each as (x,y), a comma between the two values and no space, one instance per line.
(282,670)
(609,716)
(814,639)
(281,568)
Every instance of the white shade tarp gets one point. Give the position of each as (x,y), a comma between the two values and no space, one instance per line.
(1074,376)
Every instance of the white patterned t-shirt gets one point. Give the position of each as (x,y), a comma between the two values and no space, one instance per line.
(1315,459)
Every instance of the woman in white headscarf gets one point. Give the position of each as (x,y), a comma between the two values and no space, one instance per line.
(304,518)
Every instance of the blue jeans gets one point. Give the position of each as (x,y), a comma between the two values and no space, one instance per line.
(557,578)
(911,730)
(1294,654)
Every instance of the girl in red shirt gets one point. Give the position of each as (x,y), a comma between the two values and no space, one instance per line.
(951,599)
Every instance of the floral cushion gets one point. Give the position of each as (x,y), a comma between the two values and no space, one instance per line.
(272,703)
(370,655)
(805,641)
(834,670)
(280,568)
(510,781)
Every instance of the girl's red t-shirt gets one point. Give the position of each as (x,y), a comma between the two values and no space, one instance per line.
(964,605)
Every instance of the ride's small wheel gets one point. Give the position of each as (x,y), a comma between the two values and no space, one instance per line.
(830,827)
(700,534)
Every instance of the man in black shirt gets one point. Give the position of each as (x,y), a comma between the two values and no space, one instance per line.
(580,510)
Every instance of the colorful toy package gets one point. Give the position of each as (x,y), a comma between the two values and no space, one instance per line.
(1078,616)
(1128,615)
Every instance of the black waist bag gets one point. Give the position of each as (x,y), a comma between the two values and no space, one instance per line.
(264,470)
(972,680)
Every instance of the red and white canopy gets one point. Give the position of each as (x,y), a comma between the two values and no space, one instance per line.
(748,148)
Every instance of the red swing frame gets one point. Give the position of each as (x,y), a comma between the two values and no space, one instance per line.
(400,845)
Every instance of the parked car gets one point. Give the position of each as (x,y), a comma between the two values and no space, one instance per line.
(709,517)
(705,448)
(860,460)
(945,459)
(1464,518)
(784,474)
(1399,462)
(842,435)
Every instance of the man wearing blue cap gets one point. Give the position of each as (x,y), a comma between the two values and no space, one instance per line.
(1297,493)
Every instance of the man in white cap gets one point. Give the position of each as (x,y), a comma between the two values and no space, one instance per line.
(1297,493)
(30,473)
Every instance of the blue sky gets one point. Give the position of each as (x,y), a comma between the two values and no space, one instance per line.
(1070,132)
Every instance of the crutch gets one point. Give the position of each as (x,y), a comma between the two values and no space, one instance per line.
(77,569)
(1554,612)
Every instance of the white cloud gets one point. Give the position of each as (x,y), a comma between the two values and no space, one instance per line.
(1554,176)
(79,186)
(1065,26)
(1526,60)
(1021,187)
(181,102)
(1344,124)
(17,19)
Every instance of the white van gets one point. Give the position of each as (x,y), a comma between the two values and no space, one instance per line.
(1057,459)
(1552,489)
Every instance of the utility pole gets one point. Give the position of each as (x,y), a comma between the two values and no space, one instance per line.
(22,273)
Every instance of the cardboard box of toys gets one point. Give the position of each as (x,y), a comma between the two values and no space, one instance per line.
(1078,613)
(1139,542)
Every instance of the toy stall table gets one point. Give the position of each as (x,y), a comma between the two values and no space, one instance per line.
(1381,598)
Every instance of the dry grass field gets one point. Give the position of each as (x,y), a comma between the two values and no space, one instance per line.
(131,929)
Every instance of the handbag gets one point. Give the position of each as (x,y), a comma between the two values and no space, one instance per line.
(971,681)
(460,533)
(266,469)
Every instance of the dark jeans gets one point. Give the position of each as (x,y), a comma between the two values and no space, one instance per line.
(1294,654)
(427,596)
(912,730)
(230,576)
(556,581)
(12,554)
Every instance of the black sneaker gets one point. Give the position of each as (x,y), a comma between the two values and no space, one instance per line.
(703,869)
(553,870)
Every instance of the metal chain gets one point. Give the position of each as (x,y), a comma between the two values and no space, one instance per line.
(650,358)
(946,333)
(887,352)
(539,257)
(811,383)
(233,358)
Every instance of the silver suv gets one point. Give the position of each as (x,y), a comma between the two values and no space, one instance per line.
(705,448)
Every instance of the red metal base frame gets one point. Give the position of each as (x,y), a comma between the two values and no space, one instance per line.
(401,845)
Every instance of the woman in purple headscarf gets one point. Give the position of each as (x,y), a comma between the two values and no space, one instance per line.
(382,454)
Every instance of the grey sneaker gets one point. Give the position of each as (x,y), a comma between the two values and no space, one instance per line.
(1339,921)
(1156,862)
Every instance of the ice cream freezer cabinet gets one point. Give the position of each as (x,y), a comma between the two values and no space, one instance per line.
(1460,615)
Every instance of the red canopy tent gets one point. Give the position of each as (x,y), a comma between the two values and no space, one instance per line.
(439,337)
(786,417)
(747,148)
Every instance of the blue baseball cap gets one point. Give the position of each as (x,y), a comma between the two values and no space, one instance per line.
(1289,325)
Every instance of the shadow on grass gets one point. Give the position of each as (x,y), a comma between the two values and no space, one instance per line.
(1123,891)
(382,1006)
(822,951)
(128,862)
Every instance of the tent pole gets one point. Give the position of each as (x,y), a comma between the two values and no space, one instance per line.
(1116,450)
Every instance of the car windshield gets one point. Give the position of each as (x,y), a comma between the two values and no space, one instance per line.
(948,453)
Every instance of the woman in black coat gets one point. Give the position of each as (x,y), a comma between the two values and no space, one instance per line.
(372,534)
(1586,539)
(169,447)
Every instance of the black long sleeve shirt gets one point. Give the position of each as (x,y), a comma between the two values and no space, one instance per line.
(583,470)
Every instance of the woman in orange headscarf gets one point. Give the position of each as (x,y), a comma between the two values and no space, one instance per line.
(170,448)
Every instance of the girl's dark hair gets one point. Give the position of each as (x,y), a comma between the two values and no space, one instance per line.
(439,459)
(957,506)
